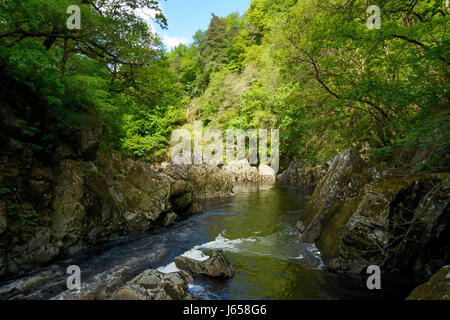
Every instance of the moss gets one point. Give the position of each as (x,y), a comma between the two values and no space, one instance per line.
(334,220)
(97,183)
(437,288)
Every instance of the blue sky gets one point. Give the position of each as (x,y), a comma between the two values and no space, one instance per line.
(186,17)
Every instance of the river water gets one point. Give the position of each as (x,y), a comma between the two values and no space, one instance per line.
(256,229)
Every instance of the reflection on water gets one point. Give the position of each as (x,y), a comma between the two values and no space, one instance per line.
(255,229)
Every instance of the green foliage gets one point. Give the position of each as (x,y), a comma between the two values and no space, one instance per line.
(113,71)
(12,209)
(313,69)
(4,190)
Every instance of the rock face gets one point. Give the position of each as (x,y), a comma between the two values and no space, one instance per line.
(91,202)
(216,266)
(300,174)
(437,288)
(59,193)
(343,180)
(154,285)
(400,223)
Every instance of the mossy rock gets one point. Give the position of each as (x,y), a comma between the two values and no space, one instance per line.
(437,288)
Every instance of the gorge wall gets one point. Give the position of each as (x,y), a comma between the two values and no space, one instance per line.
(60,193)
(361,215)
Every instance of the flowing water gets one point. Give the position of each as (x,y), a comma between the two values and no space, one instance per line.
(256,229)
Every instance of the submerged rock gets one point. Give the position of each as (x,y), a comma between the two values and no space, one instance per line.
(216,266)
(437,288)
(155,285)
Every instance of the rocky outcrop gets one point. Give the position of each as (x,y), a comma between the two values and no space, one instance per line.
(90,136)
(154,285)
(203,181)
(343,180)
(300,174)
(400,223)
(216,266)
(437,288)
(91,202)
(243,172)
(59,193)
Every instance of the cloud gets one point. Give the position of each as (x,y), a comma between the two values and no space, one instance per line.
(172,42)
(169,41)
(147,15)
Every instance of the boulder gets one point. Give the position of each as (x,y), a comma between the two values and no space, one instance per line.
(216,266)
(242,171)
(202,181)
(167,219)
(155,285)
(266,174)
(146,193)
(436,288)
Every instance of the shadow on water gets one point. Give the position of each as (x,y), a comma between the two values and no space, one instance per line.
(255,229)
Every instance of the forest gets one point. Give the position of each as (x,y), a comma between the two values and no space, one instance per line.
(311,68)
(90,96)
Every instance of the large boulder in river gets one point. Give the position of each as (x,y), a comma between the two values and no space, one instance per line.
(201,181)
(437,288)
(216,266)
(266,174)
(155,285)
(300,174)
(242,171)
(399,223)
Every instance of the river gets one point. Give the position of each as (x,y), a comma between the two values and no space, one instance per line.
(256,229)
